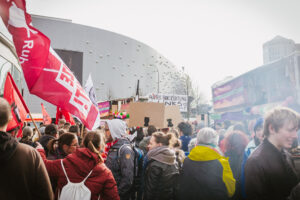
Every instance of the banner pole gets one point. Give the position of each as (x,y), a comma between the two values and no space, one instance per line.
(81,132)
(39,133)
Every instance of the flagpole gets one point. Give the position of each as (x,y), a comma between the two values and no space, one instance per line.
(81,132)
(39,133)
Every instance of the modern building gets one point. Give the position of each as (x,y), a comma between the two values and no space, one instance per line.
(115,62)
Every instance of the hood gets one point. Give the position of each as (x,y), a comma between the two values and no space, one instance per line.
(117,128)
(83,160)
(8,145)
(162,154)
(204,153)
(121,142)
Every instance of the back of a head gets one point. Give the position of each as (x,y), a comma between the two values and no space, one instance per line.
(239,127)
(74,129)
(67,126)
(278,116)
(66,138)
(5,112)
(236,142)
(208,136)
(51,129)
(164,139)
(151,129)
(93,140)
(27,132)
(185,128)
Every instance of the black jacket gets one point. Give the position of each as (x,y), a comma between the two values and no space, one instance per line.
(44,141)
(121,164)
(161,181)
(206,175)
(269,173)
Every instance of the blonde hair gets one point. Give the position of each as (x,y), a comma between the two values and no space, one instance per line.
(278,117)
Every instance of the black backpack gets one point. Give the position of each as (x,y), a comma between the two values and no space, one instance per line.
(138,167)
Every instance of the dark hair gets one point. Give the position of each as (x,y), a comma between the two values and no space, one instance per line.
(66,138)
(27,136)
(151,129)
(51,129)
(164,139)
(5,112)
(74,129)
(67,125)
(93,140)
(185,128)
(140,134)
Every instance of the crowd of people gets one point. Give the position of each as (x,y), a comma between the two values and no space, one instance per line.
(186,162)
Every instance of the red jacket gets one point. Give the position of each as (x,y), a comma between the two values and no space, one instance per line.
(78,165)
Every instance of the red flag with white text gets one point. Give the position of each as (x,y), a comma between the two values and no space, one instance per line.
(45,73)
(46,117)
(19,109)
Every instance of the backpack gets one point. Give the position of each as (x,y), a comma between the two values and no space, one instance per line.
(138,166)
(74,191)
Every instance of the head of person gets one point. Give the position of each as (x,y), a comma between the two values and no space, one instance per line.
(67,126)
(74,129)
(51,129)
(93,140)
(27,133)
(115,129)
(174,132)
(151,129)
(281,126)
(61,123)
(67,142)
(239,127)
(258,130)
(159,139)
(140,134)
(236,142)
(208,136)
(5,114)
(185,128)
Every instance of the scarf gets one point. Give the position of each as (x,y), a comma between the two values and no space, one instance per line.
(162,154)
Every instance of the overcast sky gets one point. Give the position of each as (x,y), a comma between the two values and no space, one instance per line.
(213,39)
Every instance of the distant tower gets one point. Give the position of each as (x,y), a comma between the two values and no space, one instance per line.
(277,48)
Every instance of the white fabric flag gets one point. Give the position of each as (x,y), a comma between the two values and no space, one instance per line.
(89,88)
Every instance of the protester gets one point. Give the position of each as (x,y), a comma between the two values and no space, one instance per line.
(120,156)
(269,171)
(66,126)
(180,155)
(27,134)
(235,144)
(161,172)
(61,123)
(185,130)
(84,163)
(22,171)
(206,174)
(75,129)
(50,133)
(59,148)
(145,142)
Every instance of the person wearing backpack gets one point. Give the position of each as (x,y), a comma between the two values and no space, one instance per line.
(83,174)
(161,175)
(120,157)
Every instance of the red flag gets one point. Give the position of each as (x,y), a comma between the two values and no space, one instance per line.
(45,73)
(60,113)
(19,109)
(46,117)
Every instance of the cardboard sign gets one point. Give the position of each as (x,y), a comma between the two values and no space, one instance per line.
(157,113)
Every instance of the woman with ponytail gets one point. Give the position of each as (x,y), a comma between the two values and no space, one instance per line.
(161,171)
(84,162)
(59,148)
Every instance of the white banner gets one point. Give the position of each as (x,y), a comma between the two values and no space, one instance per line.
(170,100)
